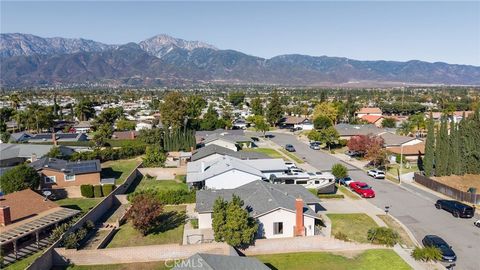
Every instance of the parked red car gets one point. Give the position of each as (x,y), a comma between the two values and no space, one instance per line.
(362,189)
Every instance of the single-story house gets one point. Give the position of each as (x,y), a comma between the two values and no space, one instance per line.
(229,172)
(456,116)
(143,125)
(20,137)
(58,173)
(14,154)
(212,152)
(82,127)
(392,140)
(232,142)
(58,137)
(347,131)
(125,135)
(281,210)
(296,122)
(373,119)
(26,214)
(203,261)
(410,152)
(368,111)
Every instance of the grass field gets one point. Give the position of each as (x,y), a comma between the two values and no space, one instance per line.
(119,169)
(292,156)
(266,151)
(23,263)
(170,231)
(392,223)
(82,204)
(152,183)
(378,259)
(125,266)
(354,226)
(348,193)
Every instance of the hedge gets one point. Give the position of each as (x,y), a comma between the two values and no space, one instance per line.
(107,189)
(110,153)
(87,191)
(97,191)
(179,196)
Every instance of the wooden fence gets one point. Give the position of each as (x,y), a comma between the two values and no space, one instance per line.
(447,190)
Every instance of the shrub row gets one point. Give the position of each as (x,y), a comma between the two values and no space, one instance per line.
(110,153)
(178,196)
(72,240)
(383,236)
(427,254)
(97,191)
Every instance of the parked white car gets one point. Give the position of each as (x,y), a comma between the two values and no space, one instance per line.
(290,165)
(377,174)
(477,223)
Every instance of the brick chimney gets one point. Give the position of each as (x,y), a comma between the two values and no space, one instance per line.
(54,139)
(299,228)
(34,157)
(5,218)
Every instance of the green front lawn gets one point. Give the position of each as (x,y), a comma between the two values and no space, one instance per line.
(354,226)
(292,156)
(348,193)
(375,259)
(119,169)
(82,204)
(124,266)
(170,231)
(266,151)
(23,263)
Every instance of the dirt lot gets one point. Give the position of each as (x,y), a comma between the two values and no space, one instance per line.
(462,183)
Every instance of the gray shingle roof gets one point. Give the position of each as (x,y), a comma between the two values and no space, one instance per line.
(76,167)
(391,139)
(216,149)
(202,261)
(8,151)
(65,137)
(354,130)
(260,197)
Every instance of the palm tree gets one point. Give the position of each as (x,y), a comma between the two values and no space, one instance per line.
(84,110)
(14,101)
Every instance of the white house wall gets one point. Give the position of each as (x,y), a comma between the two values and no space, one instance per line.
(413,142)
(231,179)
(205,220)
(288,218)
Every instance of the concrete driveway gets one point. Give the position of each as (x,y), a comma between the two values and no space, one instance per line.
(409,204)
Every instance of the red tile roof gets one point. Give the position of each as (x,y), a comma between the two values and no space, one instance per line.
(408,149)
(25,204)
(372,119)
(370,110)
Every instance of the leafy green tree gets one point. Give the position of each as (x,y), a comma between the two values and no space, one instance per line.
(314,135)
(19,178)
(322,122)
(195,105)
(329,136)
(173,110)
(4,136)
(14,101)
(211,119)
(237,228)
(102,134)
(326,109)
(236,98)
(388,122)
(339,170)
(260,123)
(109,116)
(154,157)
(442,150)
(84,109)
(55,152)
(124,124)
(257,106)
(429,159)
(151,136)
(274,109)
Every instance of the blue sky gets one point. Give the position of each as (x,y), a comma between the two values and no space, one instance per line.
(430,31)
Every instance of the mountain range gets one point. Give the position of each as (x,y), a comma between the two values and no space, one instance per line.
(31,61)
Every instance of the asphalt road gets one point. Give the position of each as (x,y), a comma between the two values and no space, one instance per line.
(412,206)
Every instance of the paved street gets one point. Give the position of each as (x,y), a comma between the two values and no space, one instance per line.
(411,205)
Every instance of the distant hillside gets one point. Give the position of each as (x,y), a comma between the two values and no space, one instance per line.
(27,60)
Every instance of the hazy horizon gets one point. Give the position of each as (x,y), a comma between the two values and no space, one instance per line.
(393,31)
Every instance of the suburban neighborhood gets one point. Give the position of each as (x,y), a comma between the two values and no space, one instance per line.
(229,194)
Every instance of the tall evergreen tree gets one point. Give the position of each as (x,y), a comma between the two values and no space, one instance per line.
(274,109)
(429,159)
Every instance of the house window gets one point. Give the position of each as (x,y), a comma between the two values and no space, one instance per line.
(301,182)
(289,182)
(317,182)
(278,228)
(69,177)
(50,179)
